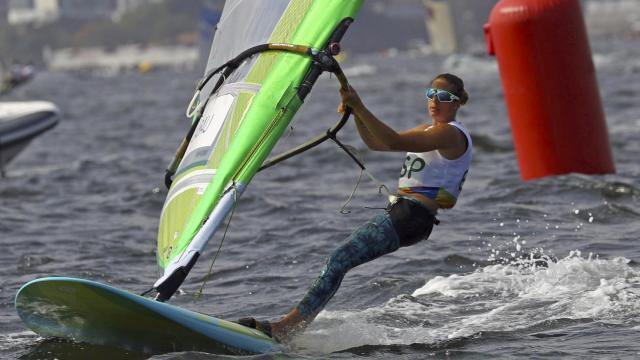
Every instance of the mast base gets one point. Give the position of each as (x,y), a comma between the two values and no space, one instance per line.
(169,284)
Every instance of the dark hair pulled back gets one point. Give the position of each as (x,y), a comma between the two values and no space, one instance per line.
(458,85)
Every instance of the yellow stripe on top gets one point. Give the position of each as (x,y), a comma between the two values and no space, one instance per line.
(283,32)
(440,195)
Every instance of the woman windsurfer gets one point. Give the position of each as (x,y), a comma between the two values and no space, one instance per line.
(435,167)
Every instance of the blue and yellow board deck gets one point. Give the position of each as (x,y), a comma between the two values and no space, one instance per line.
(99,314)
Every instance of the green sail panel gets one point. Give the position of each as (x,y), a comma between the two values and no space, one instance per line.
(246,117)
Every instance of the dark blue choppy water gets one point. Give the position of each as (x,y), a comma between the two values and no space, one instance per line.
(84,201)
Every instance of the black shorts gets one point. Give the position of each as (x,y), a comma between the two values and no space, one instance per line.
(411,220)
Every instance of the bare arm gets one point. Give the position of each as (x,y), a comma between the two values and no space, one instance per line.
(367,137)
(372,142)
(379,136)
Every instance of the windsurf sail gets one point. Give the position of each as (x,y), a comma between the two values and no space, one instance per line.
(264,59)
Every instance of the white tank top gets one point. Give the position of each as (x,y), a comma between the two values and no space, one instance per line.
(434,176)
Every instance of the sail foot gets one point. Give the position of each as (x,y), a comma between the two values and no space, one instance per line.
(178,269)
(169,284)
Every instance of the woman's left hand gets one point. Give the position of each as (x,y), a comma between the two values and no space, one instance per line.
(350,98)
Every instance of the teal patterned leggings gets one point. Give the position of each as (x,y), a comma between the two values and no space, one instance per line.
(375,238)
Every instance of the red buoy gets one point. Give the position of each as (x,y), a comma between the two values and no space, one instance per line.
(550,87)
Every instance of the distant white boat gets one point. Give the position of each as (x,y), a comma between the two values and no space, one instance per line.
(456,25)
(612,16)
(22,121)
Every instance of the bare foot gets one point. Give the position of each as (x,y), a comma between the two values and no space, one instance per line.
(285,328)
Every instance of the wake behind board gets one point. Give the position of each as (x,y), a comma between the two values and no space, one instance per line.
(99,314)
